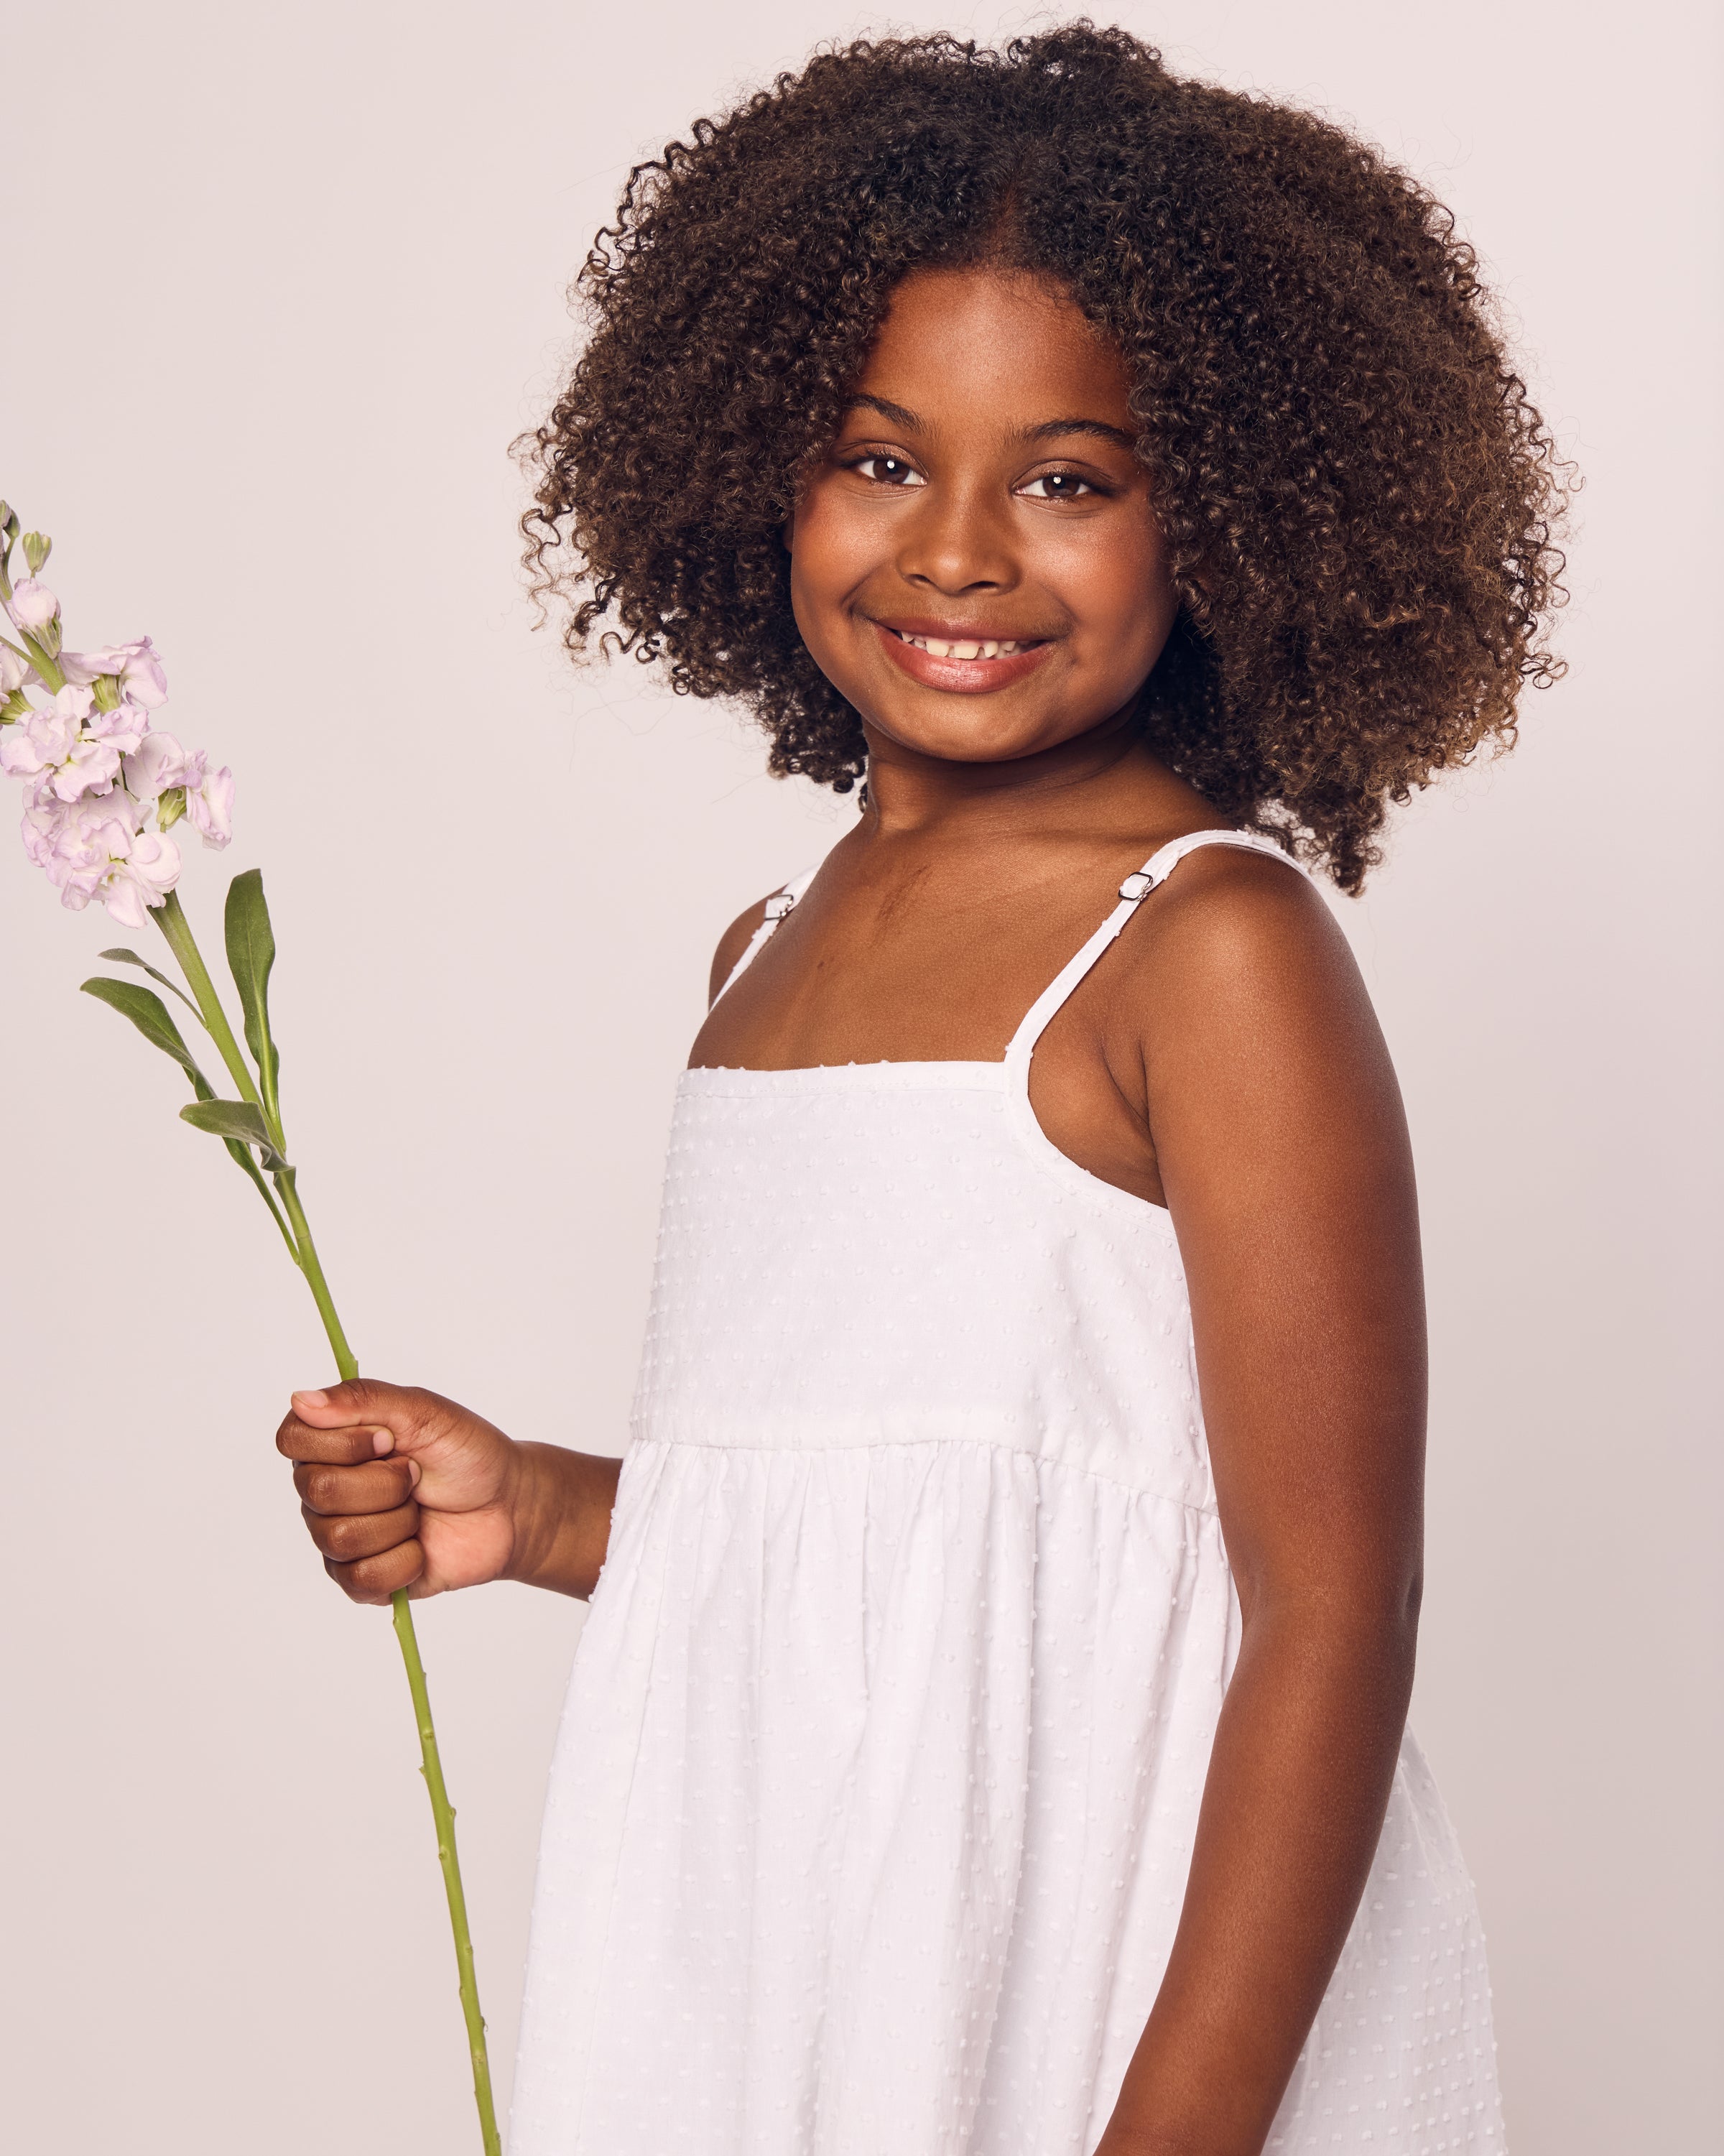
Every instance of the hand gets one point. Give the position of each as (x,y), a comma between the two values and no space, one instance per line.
(401,1488)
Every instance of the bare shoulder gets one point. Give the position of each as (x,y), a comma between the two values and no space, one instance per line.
(1245,1029)
(1239,949)
(1233,925)
(733,943)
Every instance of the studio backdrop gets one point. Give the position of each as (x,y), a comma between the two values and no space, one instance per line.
(282,284)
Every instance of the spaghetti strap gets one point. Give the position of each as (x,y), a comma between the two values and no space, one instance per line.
(1136,888)
(777,905)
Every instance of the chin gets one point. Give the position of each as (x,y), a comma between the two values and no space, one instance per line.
(970,740)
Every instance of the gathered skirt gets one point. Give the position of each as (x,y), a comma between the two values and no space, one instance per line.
(870,1817)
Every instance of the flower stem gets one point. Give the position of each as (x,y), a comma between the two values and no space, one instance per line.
(287,1182)
(42,660)
(443,1812)
(175,927)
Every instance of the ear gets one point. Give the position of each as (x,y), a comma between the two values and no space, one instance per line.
(788,532)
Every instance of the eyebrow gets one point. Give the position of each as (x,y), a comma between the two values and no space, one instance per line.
(1048,430)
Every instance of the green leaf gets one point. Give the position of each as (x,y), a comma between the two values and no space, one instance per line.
(240,1119)
(122,957)
(251,953)
(148,1014)
(244,1159)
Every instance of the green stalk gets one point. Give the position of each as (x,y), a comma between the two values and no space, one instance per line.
(444,1813)
(312,1266)
(42,660)
(276,1214)
(177,929)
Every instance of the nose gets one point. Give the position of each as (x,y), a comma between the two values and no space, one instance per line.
(958,541)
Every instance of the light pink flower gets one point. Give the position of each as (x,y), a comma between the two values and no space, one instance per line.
(41,827)
(123,728)
(158,762)
(14,671)
(54,748)
(138,664)
(32,605)
(36,746)
(92,767)
(76,844)
(94,849)
(210,807)
(143,879)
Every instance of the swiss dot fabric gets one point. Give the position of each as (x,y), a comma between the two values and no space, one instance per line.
(873,1799)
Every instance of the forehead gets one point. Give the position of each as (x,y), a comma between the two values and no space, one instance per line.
(982,342)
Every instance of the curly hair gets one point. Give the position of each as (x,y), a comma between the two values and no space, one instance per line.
(1358,497)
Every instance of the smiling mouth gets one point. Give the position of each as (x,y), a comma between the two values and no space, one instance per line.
(965,647)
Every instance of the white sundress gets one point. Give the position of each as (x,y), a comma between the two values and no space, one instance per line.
(874,1795)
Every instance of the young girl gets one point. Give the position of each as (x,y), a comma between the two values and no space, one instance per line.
(987,1736)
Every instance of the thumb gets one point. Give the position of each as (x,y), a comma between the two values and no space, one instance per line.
(356,1400)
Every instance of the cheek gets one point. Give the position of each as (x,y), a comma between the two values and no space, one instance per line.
(808,601)
(831,552)
(1112,575)
(830,542)
(1113,579)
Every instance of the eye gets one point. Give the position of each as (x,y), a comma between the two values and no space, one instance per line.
(1057,486)
(888,471)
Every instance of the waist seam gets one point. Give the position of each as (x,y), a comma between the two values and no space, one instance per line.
(639,1437)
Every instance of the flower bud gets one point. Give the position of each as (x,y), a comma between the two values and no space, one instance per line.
(210,806)
(170,807)
(37,550)
(33,606)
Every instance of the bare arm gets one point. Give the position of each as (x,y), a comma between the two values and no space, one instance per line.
(1280,1138)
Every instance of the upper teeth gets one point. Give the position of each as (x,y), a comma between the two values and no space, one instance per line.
(937,647)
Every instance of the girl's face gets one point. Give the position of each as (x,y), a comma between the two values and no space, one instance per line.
(975,564)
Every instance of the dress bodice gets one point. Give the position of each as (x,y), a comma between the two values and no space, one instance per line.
(871,1252)
(894,1252)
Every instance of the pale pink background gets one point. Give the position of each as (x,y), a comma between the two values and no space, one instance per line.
(281,284)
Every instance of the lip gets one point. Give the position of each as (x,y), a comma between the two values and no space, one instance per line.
(964,677)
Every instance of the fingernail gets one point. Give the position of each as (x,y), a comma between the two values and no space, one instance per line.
(382,1441)
(414,1471)
(310,1400)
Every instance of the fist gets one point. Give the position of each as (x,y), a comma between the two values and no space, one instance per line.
(401,1488)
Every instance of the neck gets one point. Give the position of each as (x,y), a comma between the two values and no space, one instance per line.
(909,791)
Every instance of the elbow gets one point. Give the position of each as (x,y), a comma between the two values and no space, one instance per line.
(1413,1597)
(1360,1620)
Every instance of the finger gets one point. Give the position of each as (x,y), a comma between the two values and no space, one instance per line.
(348,1539)
(336,1448)
(374,1580)
(360,1399)
(378,1487)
